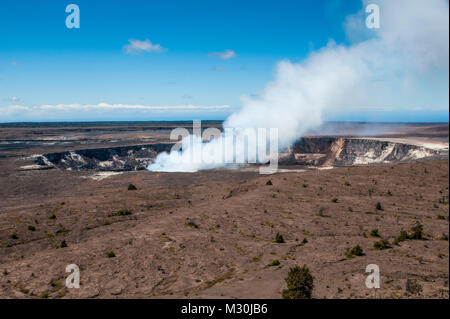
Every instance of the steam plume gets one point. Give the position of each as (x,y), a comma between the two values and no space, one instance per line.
(389,67)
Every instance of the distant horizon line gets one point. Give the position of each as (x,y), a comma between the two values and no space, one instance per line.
(25,123)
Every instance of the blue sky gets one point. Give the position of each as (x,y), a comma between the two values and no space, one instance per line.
(44,63)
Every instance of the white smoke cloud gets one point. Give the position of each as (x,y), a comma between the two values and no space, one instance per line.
(417,30)
(393,66)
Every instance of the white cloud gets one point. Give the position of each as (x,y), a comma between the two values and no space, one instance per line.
(105,111)
(107,106)
(13,99)
(225,55)
(138,46)
(58,110)
(219,68)
(413,31)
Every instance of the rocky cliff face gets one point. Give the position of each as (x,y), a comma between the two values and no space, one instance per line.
(308,151)
(329,151)
(126,158)
(366,151)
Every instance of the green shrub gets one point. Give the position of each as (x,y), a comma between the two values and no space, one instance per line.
(131,187)
(334,200)
(275,262)
(417,232)
(52,216)
(192,224)
(442,217)
(279,238)
(382,244)
(374,233)
(110,254)
(378,206)
(14,236)
(355,251)
(122,212)
(269,182)
(63,244)
(256,259)
(300,283)
(31,227)
(56,285)
(402,237)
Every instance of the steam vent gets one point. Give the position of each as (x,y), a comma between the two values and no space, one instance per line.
(309,152)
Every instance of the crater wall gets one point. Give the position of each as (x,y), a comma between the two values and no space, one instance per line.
(308,151)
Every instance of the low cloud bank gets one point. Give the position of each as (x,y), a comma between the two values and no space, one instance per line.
(102,111)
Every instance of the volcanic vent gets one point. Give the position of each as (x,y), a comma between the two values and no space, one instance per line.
(308,151)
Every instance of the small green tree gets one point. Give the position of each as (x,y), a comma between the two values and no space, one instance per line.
(417,232)
(300,283)
(402,237)
(382,244)
(122,212)
(279,238)
(63,244)
(355,251)
(275,262)
(374,233)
